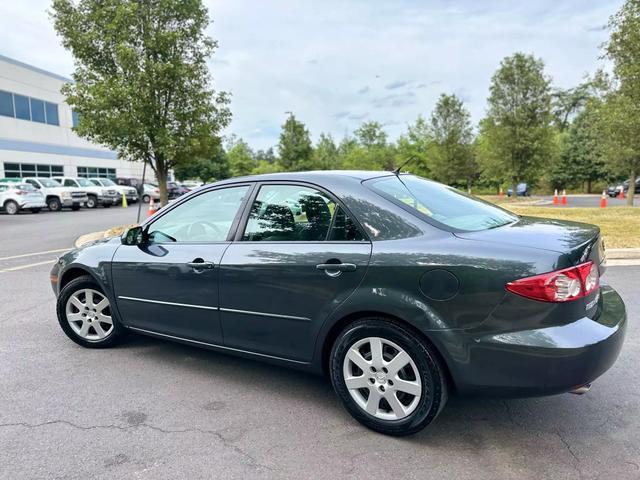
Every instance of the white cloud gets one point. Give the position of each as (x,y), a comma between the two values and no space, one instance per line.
(329,62)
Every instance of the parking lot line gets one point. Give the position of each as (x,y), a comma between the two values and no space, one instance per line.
(34,254)
(21,267)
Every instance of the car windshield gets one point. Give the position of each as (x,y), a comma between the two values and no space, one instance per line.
(49,183)
(83,182)
(107,182)
(440,203)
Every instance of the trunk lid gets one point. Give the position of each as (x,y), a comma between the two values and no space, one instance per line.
(577,242)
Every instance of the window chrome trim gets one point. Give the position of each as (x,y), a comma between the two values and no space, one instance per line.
(213,345)
(175,304)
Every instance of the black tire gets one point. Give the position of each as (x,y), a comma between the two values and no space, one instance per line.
(35,210)
(75,207)
(146,199)
(106,205)
(72,287)
(54,204)
(92,202)
(11,207)
(432,375)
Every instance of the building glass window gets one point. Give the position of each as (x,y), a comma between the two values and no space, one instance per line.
(37,111)
(19,170)
(75,118)
(51,109)
(95,172)
(23,110)
(6,104)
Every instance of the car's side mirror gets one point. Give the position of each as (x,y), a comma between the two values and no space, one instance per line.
(133,236)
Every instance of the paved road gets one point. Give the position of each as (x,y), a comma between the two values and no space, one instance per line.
(589,201)
(154,410)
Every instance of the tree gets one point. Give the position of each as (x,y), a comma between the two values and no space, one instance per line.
(452,161)
(205,169)
(370,150)
(241,160)
(370,135)
(325,154)
(566,104)
(580,158)
(295,145)
(620,114)
(141,84)
(516,132)
(413,148)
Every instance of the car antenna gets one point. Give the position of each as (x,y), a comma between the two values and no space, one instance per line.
(409,160)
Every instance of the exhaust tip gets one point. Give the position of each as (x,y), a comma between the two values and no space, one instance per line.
(581,390)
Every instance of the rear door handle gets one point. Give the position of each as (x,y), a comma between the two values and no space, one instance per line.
(199,264)
(335,269)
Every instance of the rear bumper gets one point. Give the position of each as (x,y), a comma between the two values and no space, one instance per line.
(543,361)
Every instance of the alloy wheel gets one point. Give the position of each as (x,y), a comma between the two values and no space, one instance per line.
(382,378)
(89,314)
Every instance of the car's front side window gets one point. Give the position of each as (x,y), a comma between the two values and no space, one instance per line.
(204,218)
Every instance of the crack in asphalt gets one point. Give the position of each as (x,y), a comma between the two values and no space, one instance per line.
(252,461)
(576,461)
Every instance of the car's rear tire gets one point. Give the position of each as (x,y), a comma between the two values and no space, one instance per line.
(35,210)
(75,207)
(383,358)
(85,314)
(106,205)
(54,204)
(11,207)
(92,202)
(146,199)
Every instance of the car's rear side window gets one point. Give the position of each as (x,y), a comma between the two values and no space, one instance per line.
(440,204)
(296,213)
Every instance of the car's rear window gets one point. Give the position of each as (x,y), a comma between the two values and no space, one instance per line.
(441,204)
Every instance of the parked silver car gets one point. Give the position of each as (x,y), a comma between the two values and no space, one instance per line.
(16,196)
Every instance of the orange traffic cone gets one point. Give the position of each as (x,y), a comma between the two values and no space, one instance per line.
(501,193)
(152,208)
(603,199)
(622,193)
(555,197)
(564,197)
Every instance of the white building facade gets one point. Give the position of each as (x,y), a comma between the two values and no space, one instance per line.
(36,135)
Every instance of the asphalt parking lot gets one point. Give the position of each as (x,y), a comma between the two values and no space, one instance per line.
(588,201)
(152,409)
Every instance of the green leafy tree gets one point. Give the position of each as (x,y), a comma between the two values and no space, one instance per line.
(295,146)
(452,160)
(620,113)
(370,150)
(141,84)
(567,104)
(325,153)
(412,149)
(371,135)
(241,160)
(205,169)
(516,134)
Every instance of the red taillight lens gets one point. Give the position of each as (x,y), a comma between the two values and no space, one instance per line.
(21,192)
(559,286)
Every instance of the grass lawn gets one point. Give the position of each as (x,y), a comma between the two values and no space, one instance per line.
(620,226)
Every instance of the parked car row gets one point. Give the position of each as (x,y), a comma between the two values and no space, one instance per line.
(614,190)
(36,193)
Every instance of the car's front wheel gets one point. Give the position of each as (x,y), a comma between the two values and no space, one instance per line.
(388,378)
(85,314)
(11,207)
(92,202)
(54,204)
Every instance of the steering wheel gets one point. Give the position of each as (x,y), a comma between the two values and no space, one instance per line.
(205,223)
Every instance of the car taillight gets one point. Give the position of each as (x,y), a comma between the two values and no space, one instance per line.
(21,192)
(559,286)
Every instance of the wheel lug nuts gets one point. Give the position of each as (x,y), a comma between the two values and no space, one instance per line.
(390,382)
(372,381)
(381,388)
(373,369)
(385,370)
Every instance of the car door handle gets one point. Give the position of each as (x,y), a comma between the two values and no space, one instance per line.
(336,267)
(199,264)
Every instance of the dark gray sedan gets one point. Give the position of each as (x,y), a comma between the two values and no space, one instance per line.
(402,290)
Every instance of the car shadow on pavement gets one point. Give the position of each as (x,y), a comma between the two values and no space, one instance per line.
(466,422)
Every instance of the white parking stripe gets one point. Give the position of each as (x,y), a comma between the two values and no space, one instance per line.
(21,267)
(35,253)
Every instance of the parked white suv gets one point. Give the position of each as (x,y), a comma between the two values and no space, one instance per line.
(56,195)
(96,195)
(129,192)
(15,196)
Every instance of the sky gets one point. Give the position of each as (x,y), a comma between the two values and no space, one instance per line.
(338,63)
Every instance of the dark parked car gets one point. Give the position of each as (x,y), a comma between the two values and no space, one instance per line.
(614,190)
(522,190)
(175,190)
(402,290)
